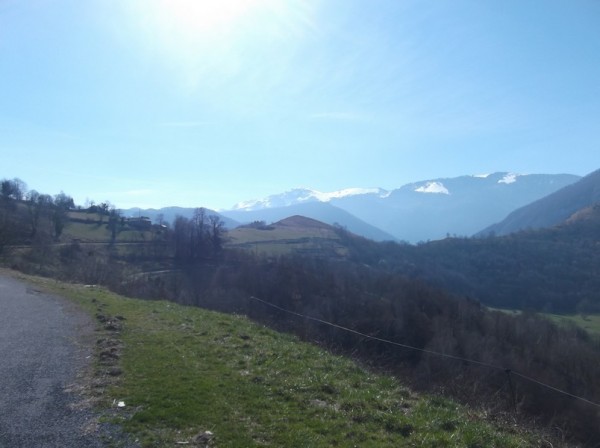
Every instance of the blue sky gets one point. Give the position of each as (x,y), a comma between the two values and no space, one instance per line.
(206,103)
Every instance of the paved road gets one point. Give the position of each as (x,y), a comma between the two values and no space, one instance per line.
(41,353)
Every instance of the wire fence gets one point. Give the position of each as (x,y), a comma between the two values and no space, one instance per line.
(508,371)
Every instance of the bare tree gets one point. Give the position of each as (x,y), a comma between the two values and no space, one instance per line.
(181,238)
(216,228)
(38,206)
(114,218)
(60,212)
(198,234)
(12,190)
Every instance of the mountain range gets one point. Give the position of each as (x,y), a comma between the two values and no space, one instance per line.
(420,211)
(168,214)
(552,209)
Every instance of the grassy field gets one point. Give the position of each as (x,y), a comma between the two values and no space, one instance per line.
(292,236)
(590,323)
(86,227)
(186,371)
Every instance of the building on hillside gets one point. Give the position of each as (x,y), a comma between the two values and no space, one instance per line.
(140,223)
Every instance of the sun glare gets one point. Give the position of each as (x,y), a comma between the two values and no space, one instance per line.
(204,42)
(198,38)
(206,16)
(192,28)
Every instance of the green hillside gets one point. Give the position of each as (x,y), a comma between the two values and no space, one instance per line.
(295,234)
(589,322)
(93,227)
(186,371)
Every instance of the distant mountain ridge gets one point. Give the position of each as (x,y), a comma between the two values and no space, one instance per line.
(419,211)
(168,214)
(303,195)
(552,209)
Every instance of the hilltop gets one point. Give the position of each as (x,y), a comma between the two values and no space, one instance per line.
(296,234)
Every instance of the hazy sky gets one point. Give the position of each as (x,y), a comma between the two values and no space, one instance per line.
(207,103)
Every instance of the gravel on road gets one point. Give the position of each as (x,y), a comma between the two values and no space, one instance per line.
(46,344)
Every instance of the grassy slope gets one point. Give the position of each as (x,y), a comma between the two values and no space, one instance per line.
(280,239)
(285,239)
(590,323)
(188,370)
(96,230)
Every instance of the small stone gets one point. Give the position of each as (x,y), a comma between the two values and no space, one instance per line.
(112,325)
(204,437)
(115,371)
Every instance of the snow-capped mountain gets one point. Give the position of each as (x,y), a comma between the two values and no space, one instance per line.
(464,205)
(432,187)
(553,209)
(428,209)
(304,195)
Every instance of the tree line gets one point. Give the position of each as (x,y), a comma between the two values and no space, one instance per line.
(27,216)
(554,270)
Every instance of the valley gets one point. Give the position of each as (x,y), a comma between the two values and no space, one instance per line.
(299,223)
(310,279)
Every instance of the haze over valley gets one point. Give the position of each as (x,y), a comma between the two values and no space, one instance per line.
(419,211)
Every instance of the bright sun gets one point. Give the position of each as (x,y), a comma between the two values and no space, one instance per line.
(191,28)
(197,36)
(206,16)
(200,39)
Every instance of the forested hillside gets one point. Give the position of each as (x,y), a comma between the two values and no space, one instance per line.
(555,269)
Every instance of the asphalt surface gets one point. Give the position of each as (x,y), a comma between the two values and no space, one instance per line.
(45,344)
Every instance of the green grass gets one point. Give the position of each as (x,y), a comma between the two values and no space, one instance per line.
(285,240)
(590,322)
(245,234)
(188,370)
(97,231)
(277,241)
(86,232)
